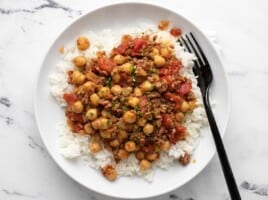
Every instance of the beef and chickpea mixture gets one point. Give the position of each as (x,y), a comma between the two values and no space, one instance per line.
(132,101)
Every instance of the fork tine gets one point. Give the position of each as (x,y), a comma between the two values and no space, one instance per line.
(197,63)
(195,51)
(200,50)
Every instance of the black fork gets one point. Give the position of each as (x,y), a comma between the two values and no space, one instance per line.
(204,75)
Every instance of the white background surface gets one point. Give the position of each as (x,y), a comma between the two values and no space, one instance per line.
(28,27)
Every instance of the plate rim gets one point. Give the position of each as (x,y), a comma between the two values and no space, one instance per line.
(107,5)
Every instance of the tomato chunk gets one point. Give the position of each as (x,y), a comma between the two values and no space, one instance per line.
(185,88)
(167,121)
(172,97)
(122,48)
(106,64)
(177,134)
(138,45)
(70,98)
(176,32)
(174,66)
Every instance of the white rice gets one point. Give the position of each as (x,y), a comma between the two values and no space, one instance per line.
(76,146)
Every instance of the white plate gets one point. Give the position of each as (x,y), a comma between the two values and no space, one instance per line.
(48,113)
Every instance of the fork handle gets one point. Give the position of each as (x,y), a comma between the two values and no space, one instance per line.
(228,174)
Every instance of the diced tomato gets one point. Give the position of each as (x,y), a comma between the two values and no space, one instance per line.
(143,102)
(106,64)
(70,98)
(138,45)
(75,117)
(163,71)
(167,121)
(168,79)
(122,48)
(148,148)
(172,97)
(77,127)
(179,133)
(174,66)
(176,32)
(185,88)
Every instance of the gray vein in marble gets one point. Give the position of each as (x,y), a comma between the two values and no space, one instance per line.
(16,193)
(47,4)
(33,144)
(5,101)
(7,119)
(176,197)
(261,190)
(237,73)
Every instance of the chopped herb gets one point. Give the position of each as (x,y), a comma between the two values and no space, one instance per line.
(108,122)
(154,70)
(133,73)
(91,114)
(140,129)
(139,113)
(122,99)
(136,108)
(108,81)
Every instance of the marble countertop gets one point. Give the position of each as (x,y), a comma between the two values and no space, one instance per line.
(29,26)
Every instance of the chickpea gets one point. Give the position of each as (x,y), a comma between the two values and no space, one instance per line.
(192,104)
(77,107)
(165,145)
(159,61)
(127,68)
(122,154)
(94,99)
(109,172)
(78,78)
(122,135)
(89,86)
(95,147)
(137,92)
(148,129)
(106,134)
(146,86)
(80,61)
(140,155)
(145,165)
(142,122)
(105,114)
(116,78)
(165,52)
(116,89)
(88,129)
(130,146)
(152,156)
(100,123)
(185,106)
(127,91)
(104,92)
(179,116)
(82,43)
(155,51)
(115,143)
(119,59)
(129,117)
(105,123)
(92,114)
(133,101)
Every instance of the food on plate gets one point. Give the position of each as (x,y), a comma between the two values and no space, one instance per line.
(131,106)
